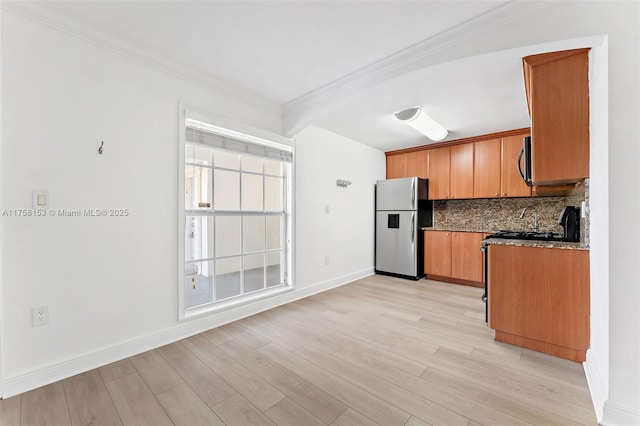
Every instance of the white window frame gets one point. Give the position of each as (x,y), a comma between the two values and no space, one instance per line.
(248,134)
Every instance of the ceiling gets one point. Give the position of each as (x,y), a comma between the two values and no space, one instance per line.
(300,55)
(471,96)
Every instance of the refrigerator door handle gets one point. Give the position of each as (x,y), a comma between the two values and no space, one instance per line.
(413,193)
(413,225)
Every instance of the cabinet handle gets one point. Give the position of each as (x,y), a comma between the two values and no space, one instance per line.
(504,193)
(497,194)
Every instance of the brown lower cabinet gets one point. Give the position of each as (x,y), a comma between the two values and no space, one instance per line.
(454,255)
(539,299)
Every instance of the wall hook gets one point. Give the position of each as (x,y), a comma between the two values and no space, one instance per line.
(100,149)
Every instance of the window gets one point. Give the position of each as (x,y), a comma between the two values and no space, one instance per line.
(237,219)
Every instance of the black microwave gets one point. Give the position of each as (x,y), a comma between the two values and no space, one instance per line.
(525,157)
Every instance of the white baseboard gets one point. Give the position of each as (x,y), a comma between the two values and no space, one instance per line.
(618,415)
(597,386)
(44,375)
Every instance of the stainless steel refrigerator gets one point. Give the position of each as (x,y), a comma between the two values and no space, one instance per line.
(402,211)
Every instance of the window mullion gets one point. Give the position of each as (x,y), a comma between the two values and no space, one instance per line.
(200,189)
(264,253)
(264,228)
(214,293)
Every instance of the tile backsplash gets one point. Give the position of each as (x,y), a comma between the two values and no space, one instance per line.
(489,215)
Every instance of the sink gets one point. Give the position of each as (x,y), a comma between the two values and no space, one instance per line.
(527,235)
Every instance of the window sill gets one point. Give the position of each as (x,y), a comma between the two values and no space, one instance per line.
(236,302)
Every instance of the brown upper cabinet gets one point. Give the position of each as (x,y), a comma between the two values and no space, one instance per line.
(487,168)
(418,164)
(461,178)
(415,163)
(396,166)
(439,172)
(479,168)
(557,89)
(511,183)
(496,169)
(451,172)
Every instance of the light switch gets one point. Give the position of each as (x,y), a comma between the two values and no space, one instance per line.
(40,200)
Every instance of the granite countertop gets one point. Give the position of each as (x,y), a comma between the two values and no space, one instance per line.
(535,243)
(513,242)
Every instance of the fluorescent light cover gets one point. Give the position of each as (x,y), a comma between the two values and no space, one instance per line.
(416,118)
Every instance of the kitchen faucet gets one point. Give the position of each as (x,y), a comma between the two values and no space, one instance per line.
(535,216)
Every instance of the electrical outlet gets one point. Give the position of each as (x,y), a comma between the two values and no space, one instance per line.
(326,208)
(39,316)
(326,260)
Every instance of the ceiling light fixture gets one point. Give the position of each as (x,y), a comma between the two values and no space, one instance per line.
(416,118)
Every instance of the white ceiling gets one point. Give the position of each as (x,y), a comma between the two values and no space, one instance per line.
(470,97)
(291,53)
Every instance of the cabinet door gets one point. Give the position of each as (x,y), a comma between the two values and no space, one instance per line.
(439,168)
(566,313)
(418,164)
(396,166)
(461,180)
(512,184)
(466,257)
(486,169)
(513,275)
(540,294)
(437,253)
(558,90)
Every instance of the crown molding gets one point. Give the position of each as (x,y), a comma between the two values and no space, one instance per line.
(300,111)
(39,13)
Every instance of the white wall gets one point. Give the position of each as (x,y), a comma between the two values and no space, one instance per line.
(107,281)
(346,233)
(1,207)
(597,363)
(111,283)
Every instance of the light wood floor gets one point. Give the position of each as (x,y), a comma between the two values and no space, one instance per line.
(377,351)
